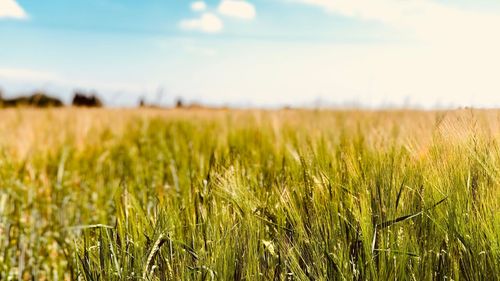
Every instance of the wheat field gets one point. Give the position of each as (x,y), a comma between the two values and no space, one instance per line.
(145,194)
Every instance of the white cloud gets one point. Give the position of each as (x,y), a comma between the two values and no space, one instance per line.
(10,9)
(387,11)
(237,9)
(21,74)
(426,20)
(208,23)
(198,6)
(452,54)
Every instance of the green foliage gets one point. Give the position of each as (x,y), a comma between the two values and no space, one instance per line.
(255,196)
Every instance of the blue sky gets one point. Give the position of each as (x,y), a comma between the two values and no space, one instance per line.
(255,52)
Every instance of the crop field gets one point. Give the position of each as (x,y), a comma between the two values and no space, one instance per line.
(146,194)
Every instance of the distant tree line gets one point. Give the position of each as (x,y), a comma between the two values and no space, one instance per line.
(88,100)
(178,103)
(43,100)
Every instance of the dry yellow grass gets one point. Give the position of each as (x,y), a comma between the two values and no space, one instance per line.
(25,131)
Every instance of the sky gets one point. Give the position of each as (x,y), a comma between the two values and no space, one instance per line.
(255,53)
